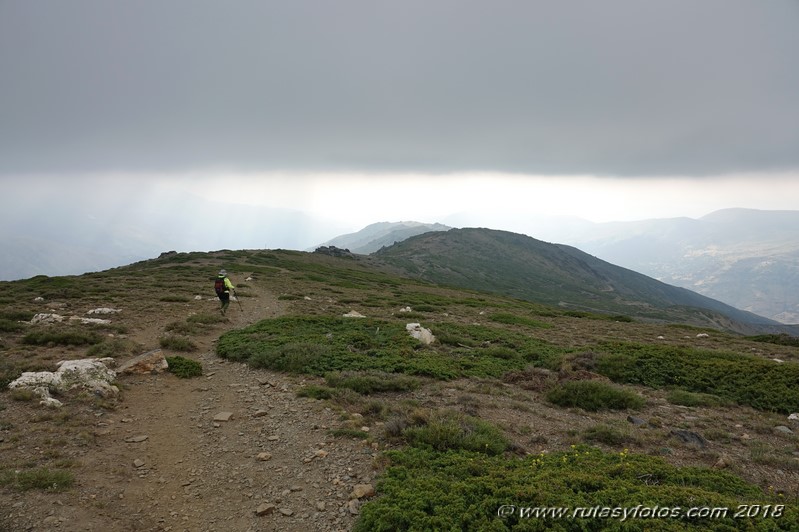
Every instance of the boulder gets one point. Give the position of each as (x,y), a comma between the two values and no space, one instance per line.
(91,374)
(420,333)
(353,314)
(149,363)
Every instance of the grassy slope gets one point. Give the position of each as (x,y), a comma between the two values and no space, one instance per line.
(526,268)
(452,469)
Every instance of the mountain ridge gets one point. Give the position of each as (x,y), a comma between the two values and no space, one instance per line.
(520,266)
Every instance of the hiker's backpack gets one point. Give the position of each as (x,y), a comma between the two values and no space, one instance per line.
(219,285)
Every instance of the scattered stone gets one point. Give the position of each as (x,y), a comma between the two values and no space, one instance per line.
(353,314)
(703,335)
(406,309)
(273,438)
(361,491)
(793,417)
(149,363)
(263,457)
(223,416)
(287,512)
(354,506)
(689,437)
(321,506)
(137,439)
(260,413)
(721,463)
(137,463)
(783,429)
(265,509)
(637,421)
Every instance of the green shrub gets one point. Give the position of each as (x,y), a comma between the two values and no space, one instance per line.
(515,319)
(8,326)
(685,398)
(366,383)
(39,478)
(319,345)
(460,490)
(608,435)
(184,368)
(115,347)
(593,396)
(65,338)
(443,431)
(177,343)
(779,339)
(174,299)
(743,379)
(316,392)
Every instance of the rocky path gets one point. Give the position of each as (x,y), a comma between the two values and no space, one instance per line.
(233,450)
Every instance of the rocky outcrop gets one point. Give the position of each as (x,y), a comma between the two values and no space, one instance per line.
(92,374)
(149,363)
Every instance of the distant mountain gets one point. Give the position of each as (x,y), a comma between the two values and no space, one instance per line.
(523,267)
(375,236)
(746,258)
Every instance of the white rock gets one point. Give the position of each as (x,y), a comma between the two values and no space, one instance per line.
(46,317)
(92,374)
(353,314)
(104,310)
(90,321)
(420,333)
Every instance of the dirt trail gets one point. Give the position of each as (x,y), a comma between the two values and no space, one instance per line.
(274,456)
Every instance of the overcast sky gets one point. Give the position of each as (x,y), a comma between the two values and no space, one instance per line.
(364,111)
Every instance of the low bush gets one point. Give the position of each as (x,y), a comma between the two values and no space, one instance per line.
(177,343)
(185,368)
(779,339)
(594,396)
(8,326)
(740,378)
(39,479)
(423,489)
(448,430)
(609,435)
(62,337)
(515,319)
(685,398)
(319,345)
(115,347)
(370,382)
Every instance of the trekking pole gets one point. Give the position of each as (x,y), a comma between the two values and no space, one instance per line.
(238,300)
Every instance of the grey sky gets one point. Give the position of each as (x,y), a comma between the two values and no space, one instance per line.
(611,88)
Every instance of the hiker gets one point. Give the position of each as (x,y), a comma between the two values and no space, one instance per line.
(223,286)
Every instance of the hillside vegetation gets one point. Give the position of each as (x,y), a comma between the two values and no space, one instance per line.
(515,405)
(523,267)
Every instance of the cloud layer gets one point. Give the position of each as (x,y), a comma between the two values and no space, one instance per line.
(619,87)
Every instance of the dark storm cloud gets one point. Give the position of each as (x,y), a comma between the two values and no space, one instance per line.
(635,87)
